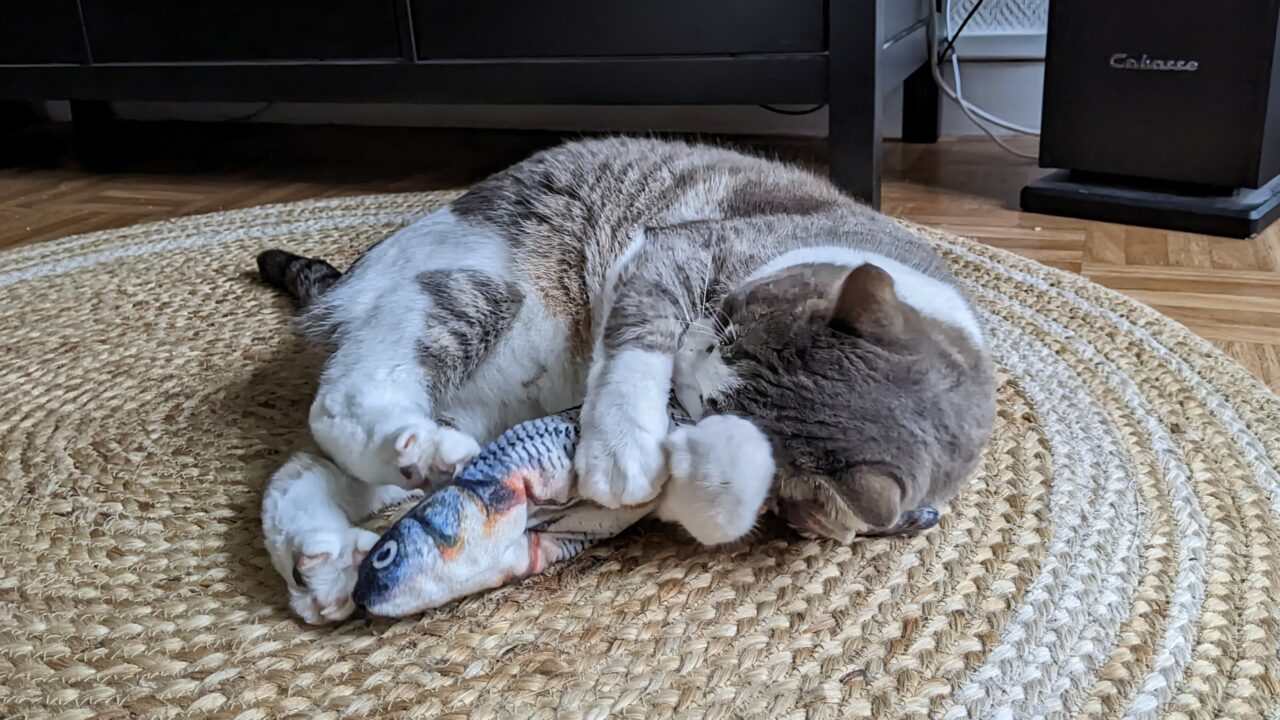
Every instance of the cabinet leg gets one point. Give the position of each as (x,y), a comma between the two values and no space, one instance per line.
(855,37)
(854,149)
(93,124)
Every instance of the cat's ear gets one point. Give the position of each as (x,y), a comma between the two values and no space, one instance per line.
(875,497)
(867,305)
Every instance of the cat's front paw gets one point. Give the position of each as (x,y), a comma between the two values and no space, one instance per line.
(619,461)
(721,473)
(429,453)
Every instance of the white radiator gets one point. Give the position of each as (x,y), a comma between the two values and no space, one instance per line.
(1002,29)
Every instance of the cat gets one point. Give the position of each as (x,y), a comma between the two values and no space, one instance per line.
(571,278)
(719,475)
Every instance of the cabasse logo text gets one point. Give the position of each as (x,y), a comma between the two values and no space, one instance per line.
(1128,61)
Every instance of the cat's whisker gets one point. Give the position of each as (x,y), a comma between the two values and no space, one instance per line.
(718,323)
(685,309)
(706,286)
(700,329)
(726,332)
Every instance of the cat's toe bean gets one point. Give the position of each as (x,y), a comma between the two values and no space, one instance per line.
(412,475)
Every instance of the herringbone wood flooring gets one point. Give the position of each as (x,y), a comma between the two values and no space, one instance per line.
(1226,290)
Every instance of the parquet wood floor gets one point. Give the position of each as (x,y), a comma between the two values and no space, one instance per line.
(1228,291)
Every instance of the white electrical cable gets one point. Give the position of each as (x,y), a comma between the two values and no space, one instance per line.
(975,114)
(958,96)
(964,106)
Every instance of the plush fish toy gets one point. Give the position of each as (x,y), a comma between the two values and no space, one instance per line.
(509,513)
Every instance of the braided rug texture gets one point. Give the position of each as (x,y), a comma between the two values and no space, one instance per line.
(1116,555)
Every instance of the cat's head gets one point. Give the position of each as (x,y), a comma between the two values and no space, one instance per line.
(873,407)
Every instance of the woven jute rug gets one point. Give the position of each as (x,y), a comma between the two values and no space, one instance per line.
(1117,555)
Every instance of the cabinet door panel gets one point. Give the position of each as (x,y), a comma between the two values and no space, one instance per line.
(40,31)
(592,28)
(212,30)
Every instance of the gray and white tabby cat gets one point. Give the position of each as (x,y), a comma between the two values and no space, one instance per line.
(572,278)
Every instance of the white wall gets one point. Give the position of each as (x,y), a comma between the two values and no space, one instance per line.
(1002,49)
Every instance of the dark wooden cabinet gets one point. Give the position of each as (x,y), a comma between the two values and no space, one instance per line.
(40,31)
(152,31)
(846,53)
(591,28)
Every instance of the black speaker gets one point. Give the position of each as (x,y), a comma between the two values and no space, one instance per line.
(1162,113)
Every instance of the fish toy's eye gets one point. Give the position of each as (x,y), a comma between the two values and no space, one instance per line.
(385,555)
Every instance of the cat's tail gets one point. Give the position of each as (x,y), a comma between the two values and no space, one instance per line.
(302,277)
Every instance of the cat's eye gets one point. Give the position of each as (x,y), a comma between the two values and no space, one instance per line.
(385,555)
(711,348)
(298,579)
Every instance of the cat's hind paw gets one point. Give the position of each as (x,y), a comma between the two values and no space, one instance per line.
(324,574)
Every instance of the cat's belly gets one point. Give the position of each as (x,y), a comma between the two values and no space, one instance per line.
(534,370)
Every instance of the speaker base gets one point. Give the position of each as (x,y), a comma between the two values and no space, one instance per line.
(1241,214)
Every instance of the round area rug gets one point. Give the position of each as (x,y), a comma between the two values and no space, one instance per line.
(1117,554)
